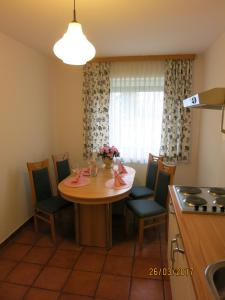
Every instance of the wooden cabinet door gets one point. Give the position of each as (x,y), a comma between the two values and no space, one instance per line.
(180,280)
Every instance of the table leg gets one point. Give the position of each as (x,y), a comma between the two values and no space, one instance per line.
(108,221)
(77,223)
(95,225)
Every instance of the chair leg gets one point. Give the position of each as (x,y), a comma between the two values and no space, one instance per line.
(141,233)
(52,225)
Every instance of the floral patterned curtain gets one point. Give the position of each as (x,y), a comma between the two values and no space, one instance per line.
(176,123)
(96,94)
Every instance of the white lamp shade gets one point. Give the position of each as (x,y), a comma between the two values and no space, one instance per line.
(74,48)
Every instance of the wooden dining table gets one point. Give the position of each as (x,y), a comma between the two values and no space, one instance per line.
(93,206)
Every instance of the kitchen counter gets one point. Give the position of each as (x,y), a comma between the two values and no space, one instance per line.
(204,243)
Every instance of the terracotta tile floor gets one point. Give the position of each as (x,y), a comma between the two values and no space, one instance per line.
(33,268)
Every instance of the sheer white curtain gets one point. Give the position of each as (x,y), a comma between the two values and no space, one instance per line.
(135,110)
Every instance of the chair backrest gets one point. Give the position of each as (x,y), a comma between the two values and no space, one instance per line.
(152,170)
(164,179)
(39,176)
(61,166)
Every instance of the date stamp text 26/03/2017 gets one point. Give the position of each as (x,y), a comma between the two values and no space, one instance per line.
(167,271)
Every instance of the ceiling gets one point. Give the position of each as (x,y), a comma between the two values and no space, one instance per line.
(118,27)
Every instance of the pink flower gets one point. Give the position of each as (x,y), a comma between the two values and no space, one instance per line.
(107,151)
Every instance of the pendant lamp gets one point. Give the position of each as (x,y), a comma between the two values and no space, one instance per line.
(74,48)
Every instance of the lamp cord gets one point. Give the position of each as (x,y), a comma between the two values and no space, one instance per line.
(74,12)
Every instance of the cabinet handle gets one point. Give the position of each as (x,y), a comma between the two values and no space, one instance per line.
(176,249)
(181,250)
(171,250)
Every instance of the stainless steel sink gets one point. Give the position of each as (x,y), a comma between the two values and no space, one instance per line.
(215,274)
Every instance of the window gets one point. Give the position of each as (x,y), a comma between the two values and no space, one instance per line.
(135,111)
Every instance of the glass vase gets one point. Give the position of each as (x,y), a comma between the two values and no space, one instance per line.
(108,162)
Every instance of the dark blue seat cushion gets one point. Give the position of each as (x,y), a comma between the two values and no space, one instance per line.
(141,191)
(63,169)
(52,204)
(145,208)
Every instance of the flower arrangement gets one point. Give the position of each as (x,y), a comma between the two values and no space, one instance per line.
(109,152)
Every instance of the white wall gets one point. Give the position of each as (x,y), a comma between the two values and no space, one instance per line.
(66,94)
(211,167)
(25,127)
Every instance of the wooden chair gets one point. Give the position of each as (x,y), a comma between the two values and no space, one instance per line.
(153,212)
(61,166)
(148,189)
(45,204)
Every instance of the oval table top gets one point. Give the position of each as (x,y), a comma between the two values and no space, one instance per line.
(96,192)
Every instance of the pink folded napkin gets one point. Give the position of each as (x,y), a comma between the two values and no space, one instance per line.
(118,181)
(121,168)
(77,177)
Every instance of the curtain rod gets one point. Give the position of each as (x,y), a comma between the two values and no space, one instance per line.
(144,57)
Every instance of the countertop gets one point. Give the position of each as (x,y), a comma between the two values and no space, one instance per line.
(204,243)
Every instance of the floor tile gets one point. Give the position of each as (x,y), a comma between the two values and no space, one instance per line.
(46,241)
(9,291)
(74,297)
(82,283)
(97,250)
(64,259)
(164,254)
(152,250)
(113,287)
(29,226)
(152,235)
(117,236)
(23,259)
(52,278)
(39,255)
(28,237)
(69,245)
(44,228)
(146,289)
(144,268)
(118,265)
(125,248)
(24,273)
(66,231)
(39,294)
(15,251)
(91,262)
(6,266)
